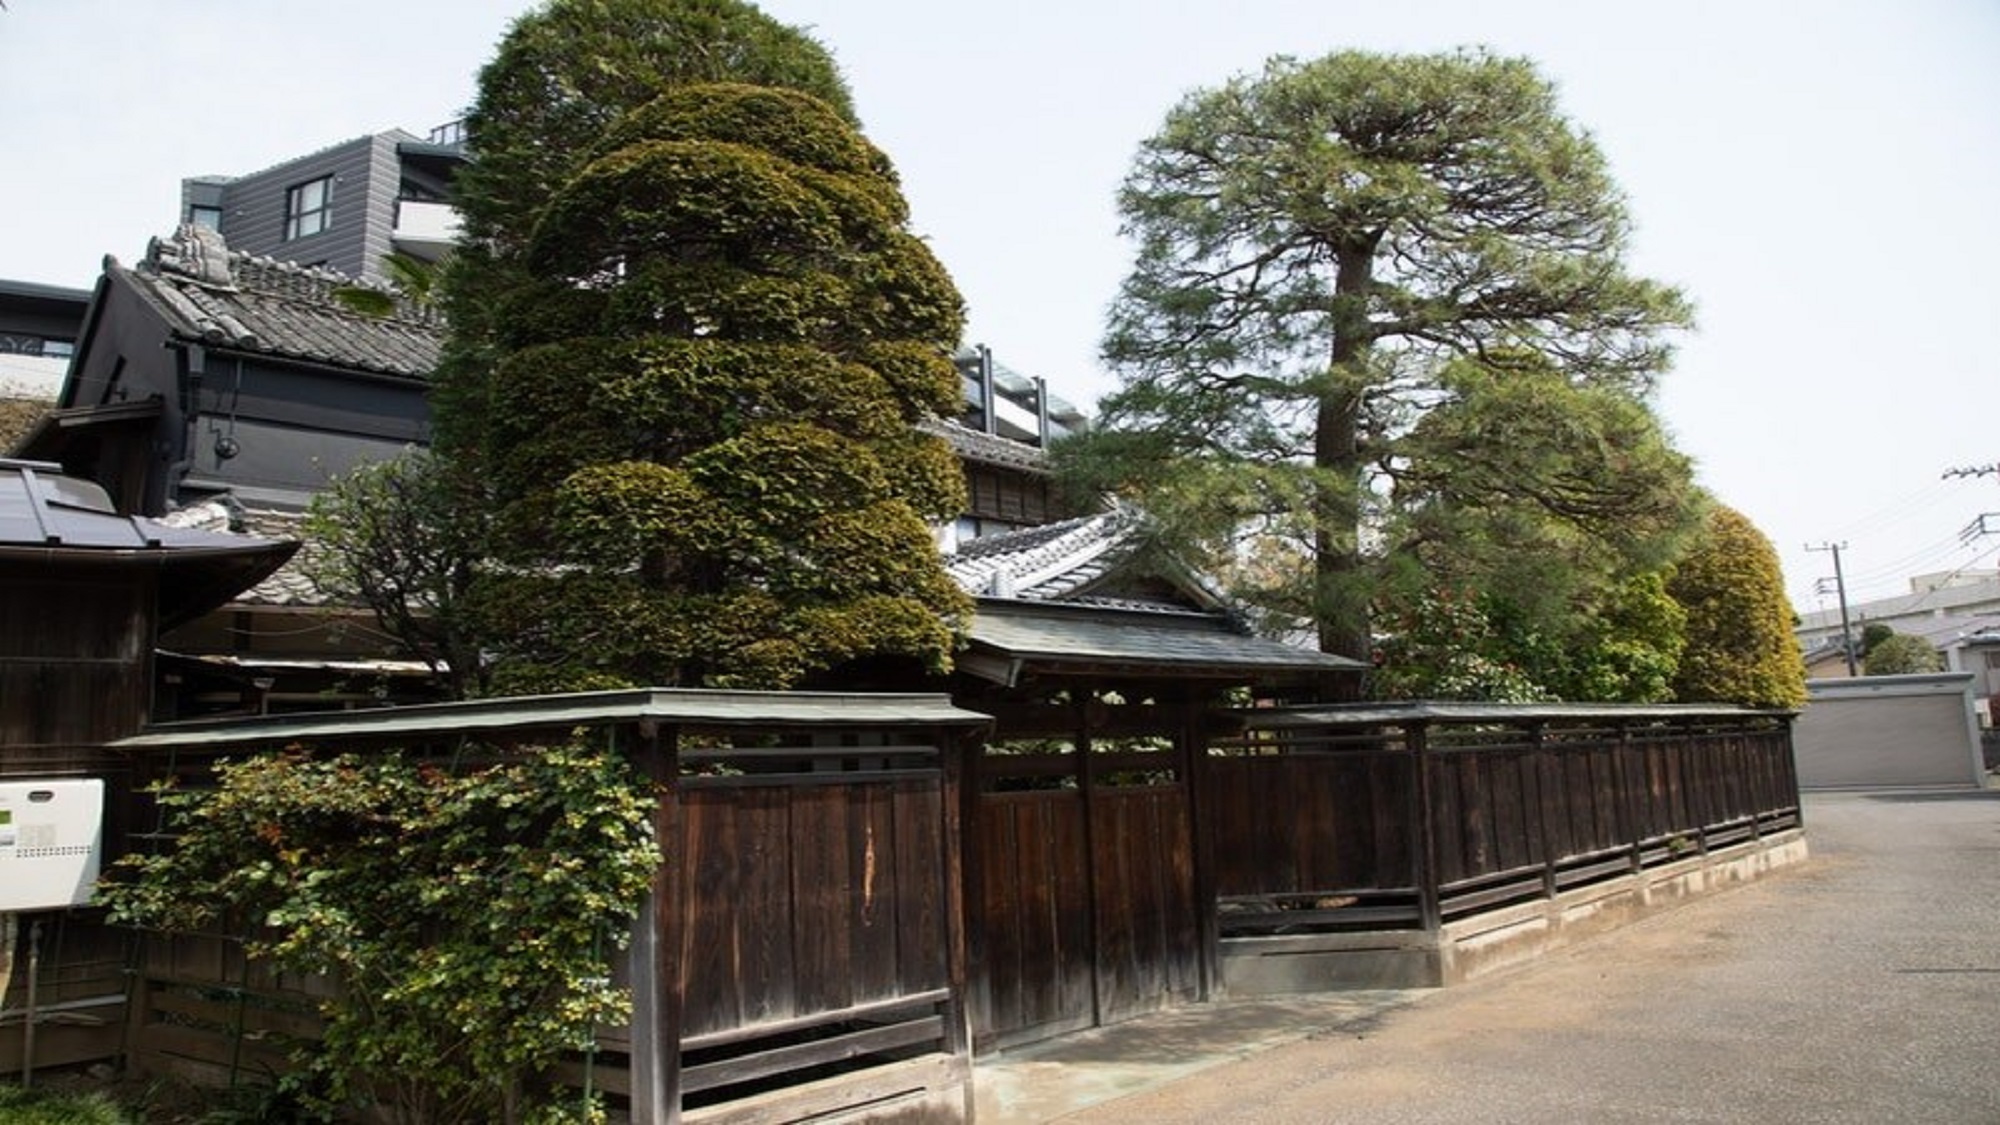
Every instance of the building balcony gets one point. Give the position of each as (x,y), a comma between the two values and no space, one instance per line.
(425,230)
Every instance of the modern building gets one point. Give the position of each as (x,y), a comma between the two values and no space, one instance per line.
(38,330)
(343,208)
(1944,609)
(1023,410)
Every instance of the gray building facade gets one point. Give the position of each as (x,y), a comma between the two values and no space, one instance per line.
(343,208)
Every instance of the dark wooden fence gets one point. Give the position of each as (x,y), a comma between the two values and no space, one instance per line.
(820,944)
(803,954)
(1331,819)
(75,670)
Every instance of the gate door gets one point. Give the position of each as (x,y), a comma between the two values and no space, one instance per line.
(1080,895)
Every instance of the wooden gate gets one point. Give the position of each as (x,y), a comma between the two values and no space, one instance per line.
(815,926)
(1081,903)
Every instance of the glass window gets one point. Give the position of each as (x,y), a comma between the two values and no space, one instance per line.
(308,208)
(206,217)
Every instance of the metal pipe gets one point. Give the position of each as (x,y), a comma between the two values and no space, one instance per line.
(34,989)
(990,410)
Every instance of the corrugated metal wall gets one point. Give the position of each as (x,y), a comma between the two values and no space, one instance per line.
(1888,731)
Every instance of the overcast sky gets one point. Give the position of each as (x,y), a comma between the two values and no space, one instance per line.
(1819,177)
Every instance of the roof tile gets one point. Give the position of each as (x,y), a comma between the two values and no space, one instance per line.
(227,299)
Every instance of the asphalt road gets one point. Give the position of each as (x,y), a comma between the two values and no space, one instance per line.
(1862,986)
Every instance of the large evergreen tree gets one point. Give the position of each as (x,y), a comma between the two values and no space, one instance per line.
(1313,243)
(1550,508)
(561,76)
(1740,645)
(717,343)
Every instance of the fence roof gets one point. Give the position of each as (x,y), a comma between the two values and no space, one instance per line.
(1446,711)
(693,707)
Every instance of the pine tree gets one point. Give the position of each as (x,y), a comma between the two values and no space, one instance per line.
(1314,243)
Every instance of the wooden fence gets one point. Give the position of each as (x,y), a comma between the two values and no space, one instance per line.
(1336,819)
(802,953)
(844,909)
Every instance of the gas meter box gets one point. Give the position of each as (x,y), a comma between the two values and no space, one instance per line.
(51,842)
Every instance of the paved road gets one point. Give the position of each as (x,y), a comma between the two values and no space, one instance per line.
(1861,987)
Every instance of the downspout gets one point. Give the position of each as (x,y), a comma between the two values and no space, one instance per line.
(194,366)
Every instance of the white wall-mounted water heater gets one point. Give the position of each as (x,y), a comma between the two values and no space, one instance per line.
(51,842)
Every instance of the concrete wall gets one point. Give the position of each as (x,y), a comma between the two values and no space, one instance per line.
(1473,946)
(1889,731)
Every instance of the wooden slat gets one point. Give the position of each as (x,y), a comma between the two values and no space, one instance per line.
(839,1048)
(809,780)
(860,1012)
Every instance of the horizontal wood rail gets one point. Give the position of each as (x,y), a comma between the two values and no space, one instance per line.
(1475,806)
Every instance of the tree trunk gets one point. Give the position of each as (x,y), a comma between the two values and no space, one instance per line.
(1340,600)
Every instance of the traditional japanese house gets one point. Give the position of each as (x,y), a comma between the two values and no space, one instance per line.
(84,592)
(202,372)
(218,391)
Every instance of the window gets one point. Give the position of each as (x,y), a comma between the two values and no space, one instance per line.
(308,208)
(208,218)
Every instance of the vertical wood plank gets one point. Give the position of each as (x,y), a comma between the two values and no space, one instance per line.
(958,755)
(1191,743)
(822,883)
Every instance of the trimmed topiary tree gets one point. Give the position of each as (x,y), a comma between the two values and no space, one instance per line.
(702,420)
(1740,646)
(563,75)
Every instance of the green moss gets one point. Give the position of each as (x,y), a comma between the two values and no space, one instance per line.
(46,1107)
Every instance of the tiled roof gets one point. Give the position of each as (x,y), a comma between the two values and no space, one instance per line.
(289,585)
(1044,563)
(988,449)
(213,295)
(1072,561)
(1055,595)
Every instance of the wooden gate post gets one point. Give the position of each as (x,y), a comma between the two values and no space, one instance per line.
(1193,743)
(656,941)
(1425,861)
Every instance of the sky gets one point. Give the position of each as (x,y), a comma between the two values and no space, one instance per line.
(1819,178)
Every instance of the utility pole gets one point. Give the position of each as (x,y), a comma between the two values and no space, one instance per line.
(1840,585)
(1988,523)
